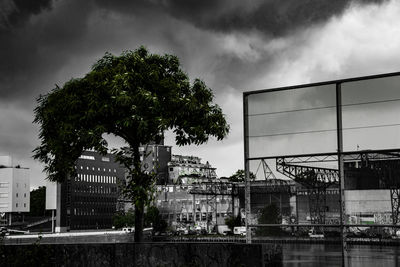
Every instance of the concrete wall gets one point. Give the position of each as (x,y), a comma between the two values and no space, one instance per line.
(367,201)
(51,195)
(21,190)
(14,189)
(146,254)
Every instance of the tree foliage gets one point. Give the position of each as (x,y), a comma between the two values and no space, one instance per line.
(239,175)
(233,221)
(153,218)
(270,214)
(38,202)
(121,220)
(136,96)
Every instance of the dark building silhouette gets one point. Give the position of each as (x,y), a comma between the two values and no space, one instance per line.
(155,158)
(89,200)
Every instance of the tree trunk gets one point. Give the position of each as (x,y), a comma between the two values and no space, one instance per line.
(139,205)
(139,212)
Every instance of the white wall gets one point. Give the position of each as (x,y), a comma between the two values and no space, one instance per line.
(21,190)
(5,189)
(6,161)
(51,195)
(367,201)
(14,190)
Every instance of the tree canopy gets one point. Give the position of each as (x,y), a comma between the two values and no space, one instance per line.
(136,96)
(38,202)
(239,175)
(270,214)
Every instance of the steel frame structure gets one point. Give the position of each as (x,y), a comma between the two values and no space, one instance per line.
(214,189)
(338,156)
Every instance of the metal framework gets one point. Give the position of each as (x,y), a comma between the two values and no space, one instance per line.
(215,188)
(386,167)
(268,174)
(277,186)
(293,167)
(315,179)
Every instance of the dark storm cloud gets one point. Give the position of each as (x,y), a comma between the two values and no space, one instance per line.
(271,17)
(17,12)
(31,52)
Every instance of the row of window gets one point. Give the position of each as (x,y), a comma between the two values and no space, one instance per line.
(106,159)
(95,189)
(5,195)
(5,205)
(327,192)
(107,210)
(94,168)
(92,178)
(17,184)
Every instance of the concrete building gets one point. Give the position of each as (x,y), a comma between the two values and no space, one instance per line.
(89,199)
(179,207)
(368,206)
(14,190)
(188,169)
(155,158)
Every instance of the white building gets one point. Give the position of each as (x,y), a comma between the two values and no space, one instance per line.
(14,189)
(189,169)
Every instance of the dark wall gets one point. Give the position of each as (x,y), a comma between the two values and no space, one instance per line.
(89,200)
(156,158)
(146,254)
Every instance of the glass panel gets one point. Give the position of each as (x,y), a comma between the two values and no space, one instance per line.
(290,122)
(371,111)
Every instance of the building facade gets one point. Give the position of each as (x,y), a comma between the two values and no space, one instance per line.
(14,190)
(155,158)
(178,202)
(188,170)
(88,200)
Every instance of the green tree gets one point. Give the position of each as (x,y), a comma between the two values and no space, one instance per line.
(136,96)
(270,214)
(153,219)
(238,176)
(38,202)
(233,221)
(122,219)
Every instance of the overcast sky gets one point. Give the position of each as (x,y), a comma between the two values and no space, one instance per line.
(234,46)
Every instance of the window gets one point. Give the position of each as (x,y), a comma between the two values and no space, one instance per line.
(171,169)
(3,185)
(24,205)
(16,194)
(87,157)
(107,159)
(16,205)
(24,194)
(17,184)
(3,205)
(3,195)
(115,170)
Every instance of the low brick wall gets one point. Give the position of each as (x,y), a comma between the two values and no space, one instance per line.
(145,254)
